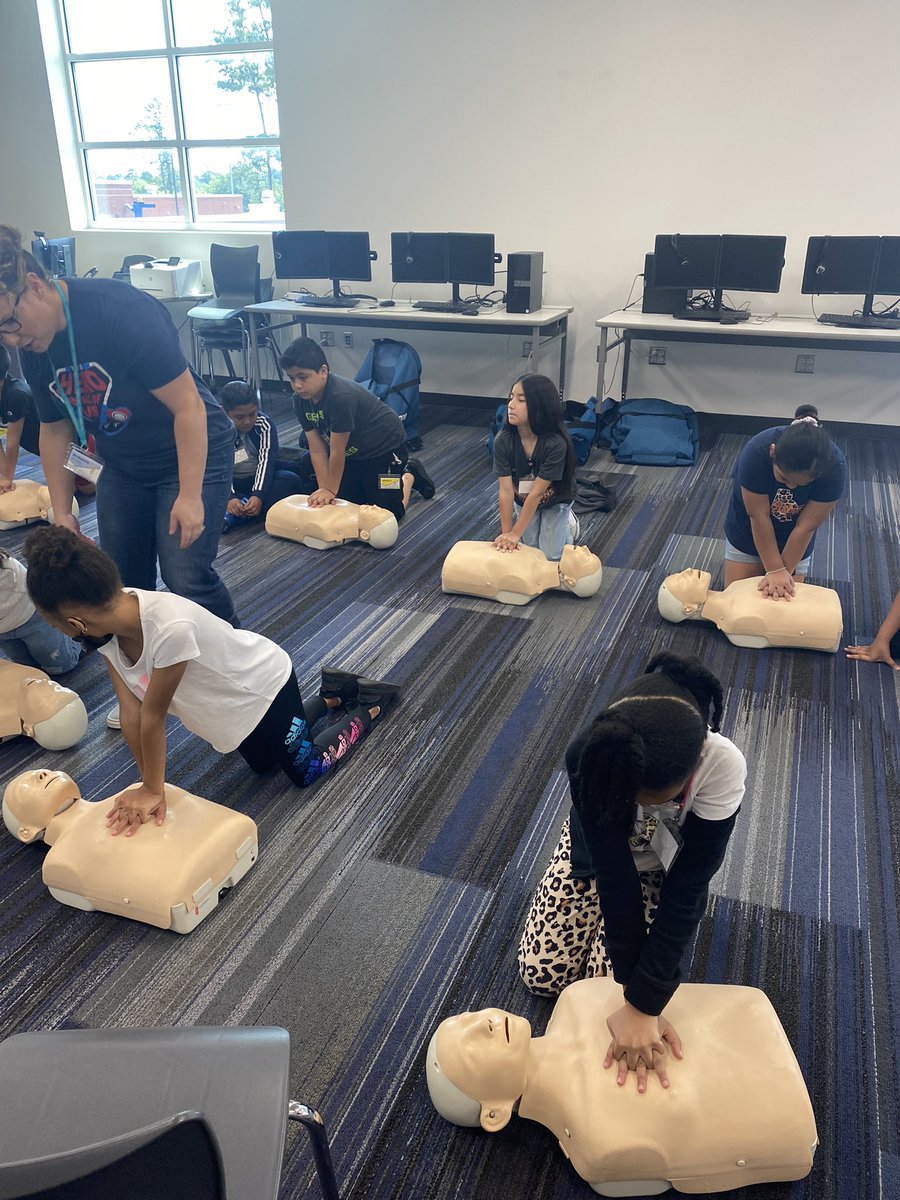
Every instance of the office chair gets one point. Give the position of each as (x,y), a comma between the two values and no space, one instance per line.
(191,1113)
(236,283)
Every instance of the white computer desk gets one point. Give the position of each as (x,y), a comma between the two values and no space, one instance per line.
(758,331)
(545,327)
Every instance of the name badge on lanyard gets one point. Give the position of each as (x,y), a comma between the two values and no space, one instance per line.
(82,463)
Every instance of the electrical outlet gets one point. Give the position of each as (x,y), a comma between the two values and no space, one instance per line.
(326,337)
(348,340)
(657,357)
(806,364)
(526,349)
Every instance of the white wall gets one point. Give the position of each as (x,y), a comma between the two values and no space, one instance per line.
(580,127)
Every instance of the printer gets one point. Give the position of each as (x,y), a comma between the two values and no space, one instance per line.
(167,277)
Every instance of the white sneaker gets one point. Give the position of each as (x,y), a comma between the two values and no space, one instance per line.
(112,719)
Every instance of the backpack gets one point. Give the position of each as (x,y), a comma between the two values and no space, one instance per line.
(649,432)
(582,428)
(393,371)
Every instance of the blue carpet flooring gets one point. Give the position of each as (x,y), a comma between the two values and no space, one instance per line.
(392,894)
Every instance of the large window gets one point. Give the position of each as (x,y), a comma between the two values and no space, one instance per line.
(175,112)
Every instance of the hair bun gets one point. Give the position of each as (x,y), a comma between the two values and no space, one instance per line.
(55,549)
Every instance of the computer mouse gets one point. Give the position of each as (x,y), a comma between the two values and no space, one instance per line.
(729,321)
(386,303)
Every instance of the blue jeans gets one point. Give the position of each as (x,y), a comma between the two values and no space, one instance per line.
(133,519)
(37,644)
(548,531)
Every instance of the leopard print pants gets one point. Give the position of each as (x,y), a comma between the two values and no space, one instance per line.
(563,939)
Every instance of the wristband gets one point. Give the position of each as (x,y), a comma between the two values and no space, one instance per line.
(777,569)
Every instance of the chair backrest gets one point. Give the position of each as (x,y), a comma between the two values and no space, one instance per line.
(235,271)
(177,1158)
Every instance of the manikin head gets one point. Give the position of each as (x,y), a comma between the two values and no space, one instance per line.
(33,799)
(476,1067)
(306,367)
(682,596)
(53,715)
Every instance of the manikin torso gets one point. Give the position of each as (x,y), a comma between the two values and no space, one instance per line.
(28,501)
(811,620)
(736,1112)
(167,875)
(517,576)
(331,524)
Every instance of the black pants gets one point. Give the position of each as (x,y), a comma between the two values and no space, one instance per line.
(284,738)
(362,480)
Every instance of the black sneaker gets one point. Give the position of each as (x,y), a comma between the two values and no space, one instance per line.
(422,481)
(339,685)
(378,692)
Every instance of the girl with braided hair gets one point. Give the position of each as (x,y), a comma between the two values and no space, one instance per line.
(655,794)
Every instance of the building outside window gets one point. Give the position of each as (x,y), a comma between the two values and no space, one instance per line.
(175,111)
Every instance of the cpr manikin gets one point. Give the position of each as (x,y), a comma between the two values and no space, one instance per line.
(736,1111)
(332,524)
(517,576)
(811,620)
(168,875)
(33,704)
(27,502)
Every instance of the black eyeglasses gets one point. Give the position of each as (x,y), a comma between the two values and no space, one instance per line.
(12,324)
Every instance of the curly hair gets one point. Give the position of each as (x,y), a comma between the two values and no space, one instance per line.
(16,263)
(64,568)
(650,736)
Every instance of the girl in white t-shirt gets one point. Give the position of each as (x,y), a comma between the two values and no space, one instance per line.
(25,637)
(655,794)
(166,654)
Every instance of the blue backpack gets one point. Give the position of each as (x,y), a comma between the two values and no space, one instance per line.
(649,432)
(393,371)
(582,428)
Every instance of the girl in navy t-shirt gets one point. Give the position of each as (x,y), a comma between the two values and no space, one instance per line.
(786,481)
(535,463)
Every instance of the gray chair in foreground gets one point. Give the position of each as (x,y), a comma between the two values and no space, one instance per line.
(187,1113)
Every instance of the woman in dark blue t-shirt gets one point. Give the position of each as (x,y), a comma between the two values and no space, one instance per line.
(786,481)
(104,359)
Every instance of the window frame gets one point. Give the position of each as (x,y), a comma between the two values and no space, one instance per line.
(179,145)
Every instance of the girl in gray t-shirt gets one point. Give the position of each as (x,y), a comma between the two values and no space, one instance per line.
(534,460)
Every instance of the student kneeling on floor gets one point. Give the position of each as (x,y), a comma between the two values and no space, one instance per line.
(356,443)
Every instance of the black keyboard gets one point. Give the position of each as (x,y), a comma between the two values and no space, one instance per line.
(858,321)
(442,306)
(327,301)
(723,316)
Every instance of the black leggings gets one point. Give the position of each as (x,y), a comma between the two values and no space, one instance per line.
(284,736)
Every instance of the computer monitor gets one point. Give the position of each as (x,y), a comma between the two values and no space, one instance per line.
(751,263)
(887,273)
(56,255)
(470,258)
(686,260)
(716,262)
(300,254)
(840,266)
(420,257)
(349,257)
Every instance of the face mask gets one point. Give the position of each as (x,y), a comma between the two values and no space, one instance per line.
(93,643)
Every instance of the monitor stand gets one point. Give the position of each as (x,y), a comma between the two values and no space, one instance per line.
(714,312)
(864,320)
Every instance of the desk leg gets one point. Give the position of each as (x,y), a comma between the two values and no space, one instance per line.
(563,334)
(256,378)
(601,360)
(626,359)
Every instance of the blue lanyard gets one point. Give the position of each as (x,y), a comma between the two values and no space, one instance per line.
(76,414)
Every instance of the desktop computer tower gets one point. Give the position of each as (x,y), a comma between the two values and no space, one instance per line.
(661,299)
(524,281)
